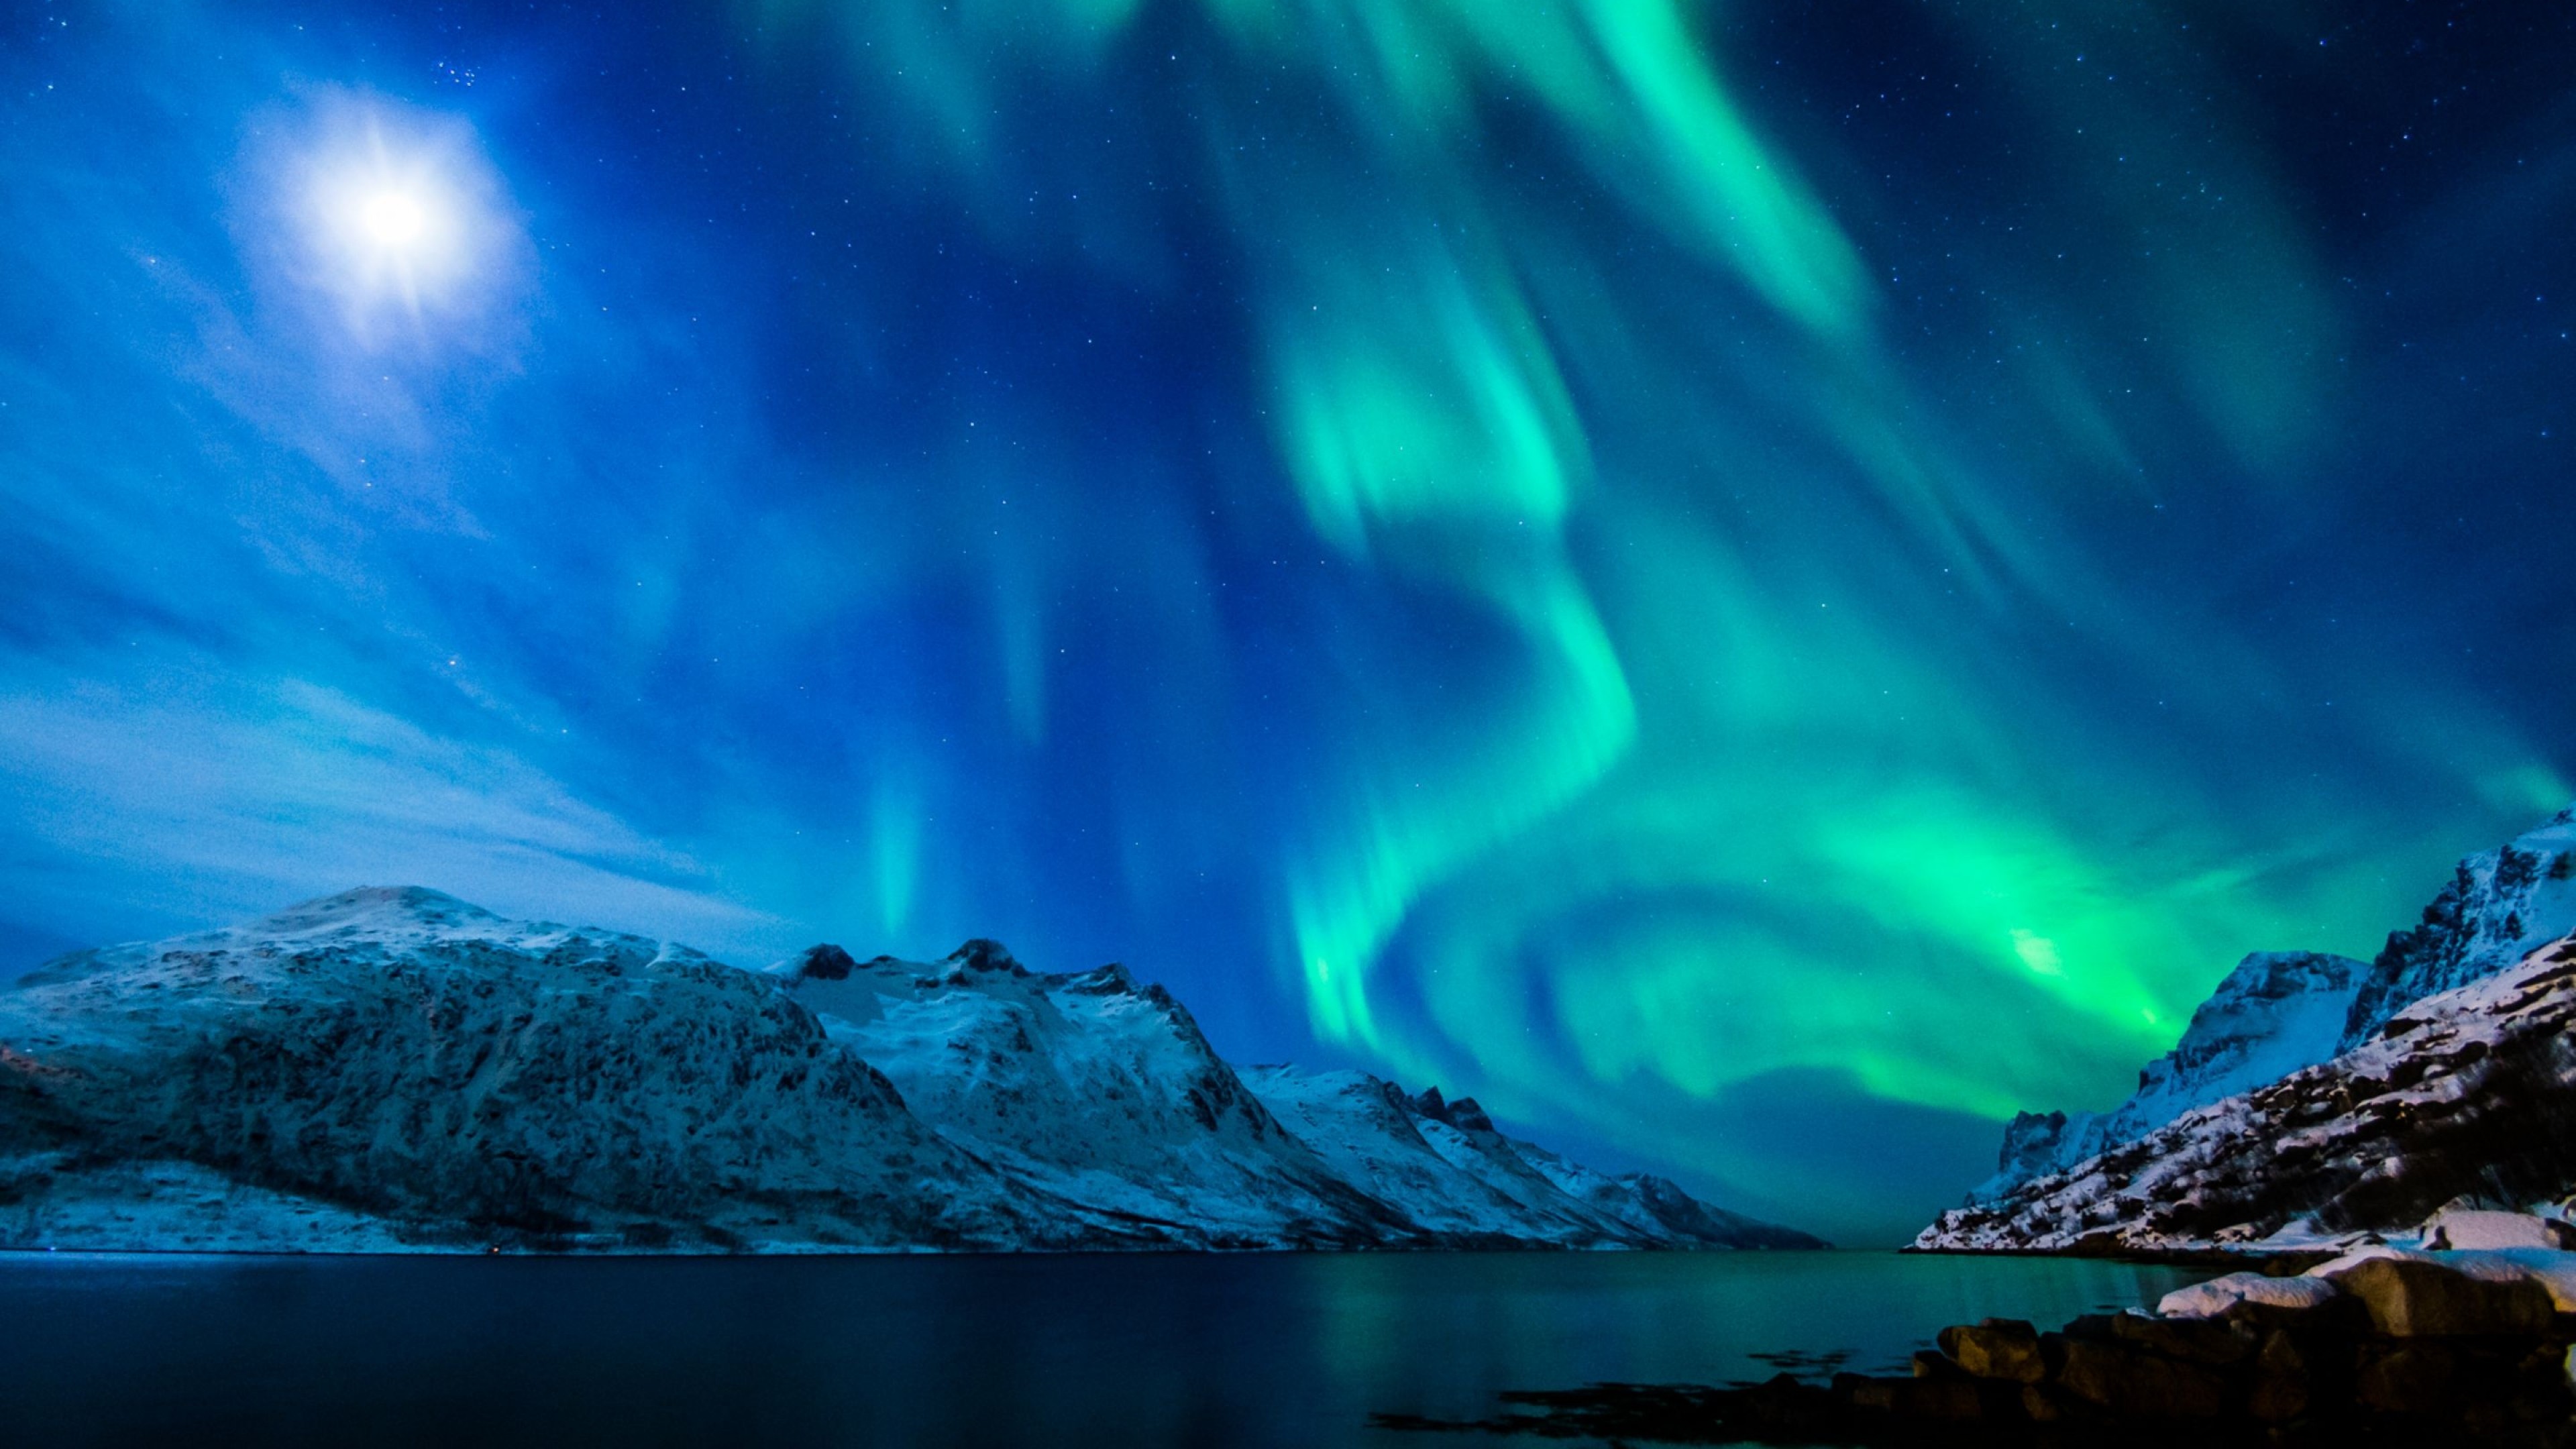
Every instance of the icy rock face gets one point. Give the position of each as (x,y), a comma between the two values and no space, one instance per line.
(1370,1133)
(2470,1093)
(401,1054)
(1087,1086)
(2036,1144)
(2498,906)
(2276,1012)
(1444,1164)
(397,1070)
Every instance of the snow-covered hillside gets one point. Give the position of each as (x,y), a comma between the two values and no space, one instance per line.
(396,1069)
(403,1056)
(1090,1085)
(1448,1168)
(2279,1011)
(2467,1093)
(2276,1012)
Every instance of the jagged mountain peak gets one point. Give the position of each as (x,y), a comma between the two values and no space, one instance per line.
(822,962)
(1075,1072)
(1463,1114)
(980,954)
(1452,1167)
(1113,978)
(2276,1012)
(830,979)
(2265,1012)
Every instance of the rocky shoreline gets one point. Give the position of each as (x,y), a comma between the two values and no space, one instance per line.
(2378,1346)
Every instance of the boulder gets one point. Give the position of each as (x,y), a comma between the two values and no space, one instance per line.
(2218,1295)
(2409,1378)
(2213,1342)
(2417,1298)
(2473,1228)
(2281,1380)
(1784,1402)
(1953,1397)
(2086,1325)
(2042,1403)
(2131,1382)
(2553,1269)
(1996,1348)
(2540,1386)
(1861,1391)
(1940,1395)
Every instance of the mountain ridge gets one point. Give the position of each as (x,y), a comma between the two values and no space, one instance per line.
(2325,1026)
(393,1069)
(2465,1099)
(2279,1011)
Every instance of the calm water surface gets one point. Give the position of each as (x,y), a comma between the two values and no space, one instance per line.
(1056,1351)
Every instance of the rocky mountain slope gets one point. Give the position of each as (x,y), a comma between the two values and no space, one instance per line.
(1449,1168)
(409,1059)
(2280,1011)
(2276,1012)
(2468,1093)
(398,1070)
(1090,1084)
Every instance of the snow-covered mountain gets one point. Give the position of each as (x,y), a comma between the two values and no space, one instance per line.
(406,1060)
(398,1070)
(2280,1011)
(1091,1085)
(1104,1091)
(2467,1093)
(1447,1167)
(2276,1012)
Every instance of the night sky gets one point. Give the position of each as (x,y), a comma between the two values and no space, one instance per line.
(1756,585)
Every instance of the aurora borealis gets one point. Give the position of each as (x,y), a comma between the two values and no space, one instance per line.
(1758,586)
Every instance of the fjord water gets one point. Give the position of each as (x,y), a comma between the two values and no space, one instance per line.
(1133,1351)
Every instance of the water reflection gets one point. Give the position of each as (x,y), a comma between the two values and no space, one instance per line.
(1130,1351)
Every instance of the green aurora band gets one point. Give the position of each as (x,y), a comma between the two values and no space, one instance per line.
(1783,777)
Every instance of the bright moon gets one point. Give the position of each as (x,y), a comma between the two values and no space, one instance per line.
(394,219)
(399,217)
(390,223)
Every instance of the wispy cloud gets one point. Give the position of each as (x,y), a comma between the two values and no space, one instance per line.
(197,800)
